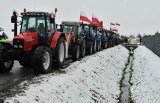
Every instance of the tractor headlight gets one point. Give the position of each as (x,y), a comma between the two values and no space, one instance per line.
(15,46)
(20,46)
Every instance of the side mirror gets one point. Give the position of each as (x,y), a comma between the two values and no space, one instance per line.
(55,10)
(13,19)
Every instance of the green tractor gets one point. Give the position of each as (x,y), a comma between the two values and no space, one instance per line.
(3,36)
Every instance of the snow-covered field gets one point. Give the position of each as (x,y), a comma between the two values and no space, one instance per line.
(93,79)
(146,76)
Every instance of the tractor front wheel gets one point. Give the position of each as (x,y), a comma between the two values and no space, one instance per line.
(83,49)
(89,47)
(60,52)
(94,46)
(105,44)
(42,60)
(76,52)
(6,63)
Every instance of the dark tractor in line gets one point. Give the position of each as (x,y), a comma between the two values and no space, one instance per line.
(104,38)
(93,38)
(37,45)
(75,38)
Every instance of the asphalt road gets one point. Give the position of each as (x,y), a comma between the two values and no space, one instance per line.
(16,75)
(19,74)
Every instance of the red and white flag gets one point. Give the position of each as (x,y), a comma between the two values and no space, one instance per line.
(113,24)
(83,17)
(95,19)
(115,30)
(117,24)
(100,24)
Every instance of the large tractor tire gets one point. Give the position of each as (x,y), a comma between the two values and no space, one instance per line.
(6,62)
(42,60)
(75,52)
(105,45)
(60,53)
(94,46)
(89,47)
(25,62)
(99,46)
(83,49)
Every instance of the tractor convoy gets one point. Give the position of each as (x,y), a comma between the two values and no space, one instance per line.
(40,44)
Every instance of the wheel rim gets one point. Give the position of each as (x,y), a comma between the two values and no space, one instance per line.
(98,46)
(8,63)
(91,50)
(78,52)
(106,45)
(83,48)
(95,44)
(61,52)
(46,61)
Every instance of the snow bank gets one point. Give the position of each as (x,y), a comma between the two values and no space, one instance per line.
(93,79)
(146,76)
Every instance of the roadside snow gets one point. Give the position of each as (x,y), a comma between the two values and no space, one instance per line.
(93,79)
(146,76)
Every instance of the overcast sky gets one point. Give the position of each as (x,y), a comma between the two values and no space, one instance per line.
(135,16)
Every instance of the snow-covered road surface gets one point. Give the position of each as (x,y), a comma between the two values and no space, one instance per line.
(146,76)
(93,79)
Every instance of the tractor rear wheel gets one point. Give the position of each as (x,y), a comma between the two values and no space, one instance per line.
(75,52)
(89,47)
(99,46)
(83,49)
(42,60)
(60,52)
(6,63)
(105,44)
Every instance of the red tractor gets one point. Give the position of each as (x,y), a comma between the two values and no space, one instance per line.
(37,45)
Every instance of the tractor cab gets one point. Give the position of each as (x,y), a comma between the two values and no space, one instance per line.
(36,28)
(38,22)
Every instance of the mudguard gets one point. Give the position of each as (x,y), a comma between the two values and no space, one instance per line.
(55,38)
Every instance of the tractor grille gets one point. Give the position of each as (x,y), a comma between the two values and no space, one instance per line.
(18,44)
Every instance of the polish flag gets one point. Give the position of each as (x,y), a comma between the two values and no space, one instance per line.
(117,24)
(113,24)
(95,19)
(115,30)
(100,24)
(83,17)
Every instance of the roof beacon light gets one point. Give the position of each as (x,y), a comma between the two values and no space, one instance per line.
(24,10)
(55,10)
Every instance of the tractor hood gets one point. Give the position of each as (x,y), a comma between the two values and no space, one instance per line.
(25,41)
(27,36)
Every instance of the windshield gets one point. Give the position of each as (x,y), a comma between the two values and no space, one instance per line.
(33,24)
(68,29)
(86,29)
